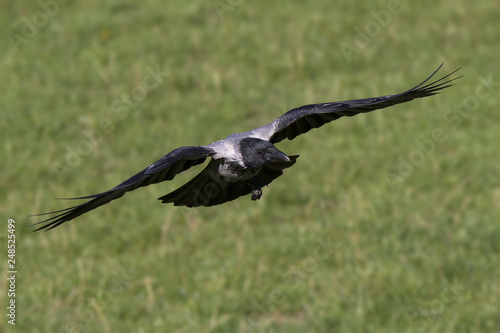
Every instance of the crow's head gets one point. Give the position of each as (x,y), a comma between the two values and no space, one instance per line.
(256,153)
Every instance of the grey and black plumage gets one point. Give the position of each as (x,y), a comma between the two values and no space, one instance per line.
(242,163)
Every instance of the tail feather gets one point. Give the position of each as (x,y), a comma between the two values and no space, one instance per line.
(209,188)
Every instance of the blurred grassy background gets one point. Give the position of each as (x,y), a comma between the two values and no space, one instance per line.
(420,255)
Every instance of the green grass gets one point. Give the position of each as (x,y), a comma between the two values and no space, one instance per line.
(136,265)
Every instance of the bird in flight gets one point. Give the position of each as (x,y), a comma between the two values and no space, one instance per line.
(242,163)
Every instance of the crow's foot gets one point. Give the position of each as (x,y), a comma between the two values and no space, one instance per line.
(256,193)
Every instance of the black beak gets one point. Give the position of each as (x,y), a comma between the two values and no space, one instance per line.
(277,156)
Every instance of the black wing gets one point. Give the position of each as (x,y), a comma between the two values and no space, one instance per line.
(302,119)
(209,188)
(166,168)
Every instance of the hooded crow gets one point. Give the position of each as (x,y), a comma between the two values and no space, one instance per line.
(242,163)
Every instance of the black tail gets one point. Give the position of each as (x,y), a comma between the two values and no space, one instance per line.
(209,188)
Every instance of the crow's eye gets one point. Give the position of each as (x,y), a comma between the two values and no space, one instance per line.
(260,152)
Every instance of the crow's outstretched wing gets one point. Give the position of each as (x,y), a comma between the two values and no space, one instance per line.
(302,119)
(209,188)
(165,168)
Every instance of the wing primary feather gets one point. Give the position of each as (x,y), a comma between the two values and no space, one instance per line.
(302,119)
(166,168)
